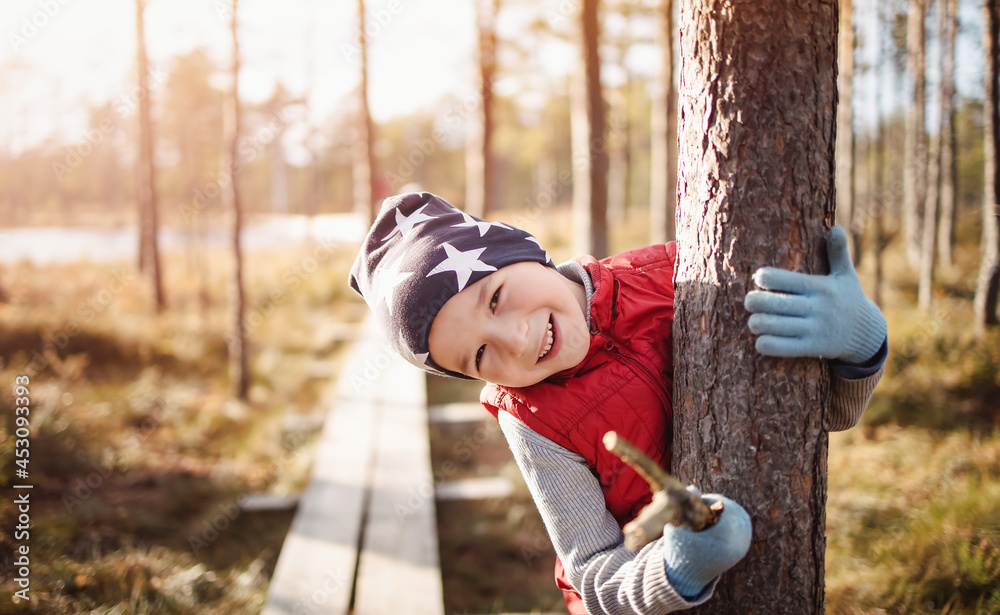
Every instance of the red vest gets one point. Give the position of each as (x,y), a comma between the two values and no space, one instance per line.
(624,384)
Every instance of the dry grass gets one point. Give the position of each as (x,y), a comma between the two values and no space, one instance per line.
(137,449)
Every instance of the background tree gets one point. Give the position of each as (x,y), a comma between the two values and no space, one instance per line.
(845,125)
(948,15)
(479,165)
(149,250)
(364,134)
(937,178)
(663,133)
(756,183)
(192,125)
(590,159)
(239,372)
(989,269)
(915,156)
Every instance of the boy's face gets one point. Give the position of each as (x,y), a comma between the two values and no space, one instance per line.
(500,328)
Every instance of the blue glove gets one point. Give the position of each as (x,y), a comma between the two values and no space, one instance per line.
(694,559)
(826,316)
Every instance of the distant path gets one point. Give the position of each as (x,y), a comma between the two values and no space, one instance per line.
(56,244)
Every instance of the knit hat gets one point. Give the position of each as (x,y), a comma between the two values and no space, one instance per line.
(420,252)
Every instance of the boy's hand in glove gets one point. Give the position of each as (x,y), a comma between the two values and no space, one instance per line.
(826,316)
(694,559)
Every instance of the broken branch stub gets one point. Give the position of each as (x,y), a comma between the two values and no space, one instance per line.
(672,502)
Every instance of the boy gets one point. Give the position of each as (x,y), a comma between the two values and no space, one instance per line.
(573,351)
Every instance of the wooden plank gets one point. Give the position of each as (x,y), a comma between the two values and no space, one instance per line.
(398,571)
(458,413)
(475,488)
(316,567)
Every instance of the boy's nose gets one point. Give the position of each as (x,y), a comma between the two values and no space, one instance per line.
(512,335)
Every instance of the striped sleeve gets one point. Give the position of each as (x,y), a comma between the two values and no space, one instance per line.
(850,398)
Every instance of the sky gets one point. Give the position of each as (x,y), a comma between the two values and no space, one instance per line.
(61,57)
(79,53)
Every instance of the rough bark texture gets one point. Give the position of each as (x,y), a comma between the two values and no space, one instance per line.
(989,267)
(949,162)
(758,100)
(363,168)
(239,373)
(149,249)
(915,155)
(663,138)
(845,126)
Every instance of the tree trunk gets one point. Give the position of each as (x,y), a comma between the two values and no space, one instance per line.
(591,156)
(149,249)
(238,363)
(663,137)
(949,162)
(915,169)
(756,184)
(989,267)
(479,157)
(935,171)
(878,199)
(845,126)
(363,169)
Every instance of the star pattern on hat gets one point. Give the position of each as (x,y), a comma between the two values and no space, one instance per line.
(416,358)
(535,241)
(462,263)
(405,224)
(388,279)
(483,226)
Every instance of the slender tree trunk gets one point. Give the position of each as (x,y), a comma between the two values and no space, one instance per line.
(878,200)
(935,172)
(875,220)
(149,249)
(915,170)
(479,182)
(756,182)
(989,268)
(238,339)
(594,219)
(663,137)
(845,126)
(949,162)
(364,135)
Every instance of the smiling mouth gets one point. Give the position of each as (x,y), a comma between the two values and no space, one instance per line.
(549,340)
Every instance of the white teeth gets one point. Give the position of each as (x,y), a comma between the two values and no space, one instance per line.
(548,342)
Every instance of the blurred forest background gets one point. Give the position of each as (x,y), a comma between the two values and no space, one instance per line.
(178,367)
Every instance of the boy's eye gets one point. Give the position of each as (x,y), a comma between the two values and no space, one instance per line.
(494,300)
(479,355)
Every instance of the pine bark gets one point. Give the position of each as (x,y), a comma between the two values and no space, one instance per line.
(363,167)
(915,155)
(949,161)
(663,126)
(239,374)
(149,248)
(758,100)
(988,284)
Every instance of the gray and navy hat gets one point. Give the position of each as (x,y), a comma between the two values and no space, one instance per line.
(422,251)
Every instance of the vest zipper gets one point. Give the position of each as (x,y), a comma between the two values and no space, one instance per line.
(651,380)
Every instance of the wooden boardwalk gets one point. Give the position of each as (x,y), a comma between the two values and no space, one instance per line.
(364,539)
